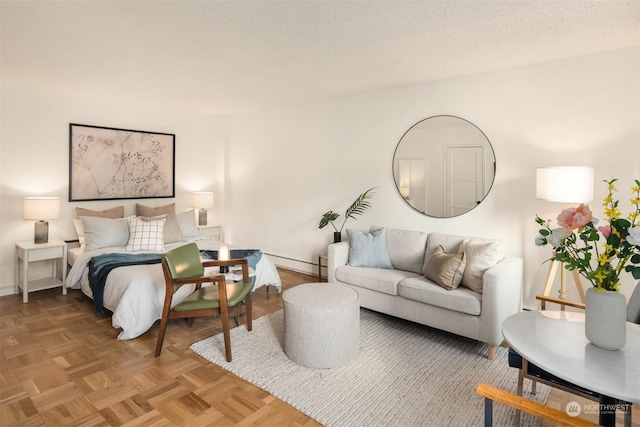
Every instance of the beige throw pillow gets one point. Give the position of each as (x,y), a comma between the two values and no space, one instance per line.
(445,269)
(480,256)
(172,232)
(113,213)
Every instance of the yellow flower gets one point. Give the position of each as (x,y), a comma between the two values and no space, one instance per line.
(611,187)
(612,213)
(603,259)
(600,275)
(635,201)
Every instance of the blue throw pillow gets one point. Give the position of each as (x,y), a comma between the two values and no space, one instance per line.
(368,249)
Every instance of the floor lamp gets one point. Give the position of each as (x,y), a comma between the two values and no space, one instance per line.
(564,184)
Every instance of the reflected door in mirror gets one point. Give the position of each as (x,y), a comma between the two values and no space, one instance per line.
(443,166)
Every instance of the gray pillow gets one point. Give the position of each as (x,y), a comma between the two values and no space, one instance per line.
(104,232)
(187,223)
(368,249)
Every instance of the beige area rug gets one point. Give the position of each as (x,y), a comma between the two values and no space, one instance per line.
(405,375)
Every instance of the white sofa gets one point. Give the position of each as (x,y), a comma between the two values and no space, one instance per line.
(404,291)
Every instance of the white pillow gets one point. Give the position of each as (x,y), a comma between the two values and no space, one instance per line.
(368,249)
(480,257)
(104,232)
(187,223)
(146,235)
(77,223)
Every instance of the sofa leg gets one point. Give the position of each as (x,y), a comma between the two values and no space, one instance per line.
(491,351)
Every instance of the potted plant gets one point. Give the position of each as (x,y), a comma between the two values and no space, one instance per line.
(358,207)
(601,265)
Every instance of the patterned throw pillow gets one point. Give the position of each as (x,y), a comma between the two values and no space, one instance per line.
(172,228)
(145,235)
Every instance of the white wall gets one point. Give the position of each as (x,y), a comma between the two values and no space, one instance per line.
(275,173)
(288,167)
(34,157)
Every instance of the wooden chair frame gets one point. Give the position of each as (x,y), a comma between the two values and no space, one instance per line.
(223,310)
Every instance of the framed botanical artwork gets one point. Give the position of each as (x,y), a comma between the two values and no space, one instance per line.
(109,163)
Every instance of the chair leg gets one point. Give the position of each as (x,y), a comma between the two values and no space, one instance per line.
(224,315)
(247,311)
(161,331)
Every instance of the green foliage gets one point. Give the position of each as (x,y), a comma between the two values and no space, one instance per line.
(358,207)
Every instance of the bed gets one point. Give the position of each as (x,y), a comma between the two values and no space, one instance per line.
(135,293)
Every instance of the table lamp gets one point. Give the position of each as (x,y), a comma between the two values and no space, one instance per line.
(202,200)
(223,255)
(564,184)
(41,209)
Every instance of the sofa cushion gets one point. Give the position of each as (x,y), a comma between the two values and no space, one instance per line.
(376,279)
(420,289)
(406,248)
(368,249)
(480,256)
(451,244)
(445,269)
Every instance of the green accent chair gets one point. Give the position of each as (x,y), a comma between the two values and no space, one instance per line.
(184,266)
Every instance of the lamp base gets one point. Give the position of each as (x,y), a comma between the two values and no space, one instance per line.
(41,234)
(202,217)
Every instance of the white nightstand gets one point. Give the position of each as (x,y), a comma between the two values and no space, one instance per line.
(211,231)
(26,252)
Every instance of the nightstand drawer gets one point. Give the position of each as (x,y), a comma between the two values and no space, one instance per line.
(46,253)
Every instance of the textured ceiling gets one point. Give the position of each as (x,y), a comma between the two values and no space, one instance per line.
(226,57)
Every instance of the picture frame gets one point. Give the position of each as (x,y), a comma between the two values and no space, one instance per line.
(108,163)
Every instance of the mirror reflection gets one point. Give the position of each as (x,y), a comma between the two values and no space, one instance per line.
(444,166)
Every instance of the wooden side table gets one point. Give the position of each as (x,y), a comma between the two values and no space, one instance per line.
(322,263)
(27,252)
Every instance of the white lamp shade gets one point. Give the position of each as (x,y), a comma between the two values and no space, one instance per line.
(223,253)
(565,184)
(202,199)
(39,208)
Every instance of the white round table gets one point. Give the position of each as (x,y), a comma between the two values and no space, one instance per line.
(555,341)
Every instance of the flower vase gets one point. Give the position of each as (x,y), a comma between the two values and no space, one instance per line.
(337,237)
(606,319)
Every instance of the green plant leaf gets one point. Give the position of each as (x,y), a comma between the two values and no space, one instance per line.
(359,206)
(327,218)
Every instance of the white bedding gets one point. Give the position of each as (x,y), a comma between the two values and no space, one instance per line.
(135,294)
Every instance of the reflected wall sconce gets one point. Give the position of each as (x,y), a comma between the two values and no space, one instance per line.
(404,192)
(202,200)
(564,184)
(41,209)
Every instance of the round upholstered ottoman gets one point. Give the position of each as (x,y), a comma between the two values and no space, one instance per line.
(321,324)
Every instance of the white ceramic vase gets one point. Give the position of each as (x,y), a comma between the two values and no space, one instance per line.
(606,319)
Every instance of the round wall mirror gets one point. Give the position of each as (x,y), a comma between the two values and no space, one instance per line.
(444,166)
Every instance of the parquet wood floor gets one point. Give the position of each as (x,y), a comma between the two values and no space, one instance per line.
(60,365)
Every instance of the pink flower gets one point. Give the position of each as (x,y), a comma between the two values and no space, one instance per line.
(605,230)
(575,217)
